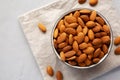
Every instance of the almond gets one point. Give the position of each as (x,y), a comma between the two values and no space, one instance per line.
(93,2)
(101,55)
(71,58)
(103,34)
(105,48)
(76,14)
(98,35)
(117,51)
(55,33)
(62,28)
(81,1)
(96,60)
(86,39)
(90,45)
(42,27)
(75,46)
(50,71)
(62,45)
(66,23)
(85,18)
(90,24)
(70,53)
(59,75)
(96,29)
(89,50)
(82,58)
(55,43)
(70,31)
(105,39)
(97,52)
(97,46)
(61,22)
(79,29)
(80,21)
(73,63)
(79,38)
(61,38)
(100,20)
(90,56)
(62,55)
(117,40)
(88,62)
(91,34)
(83,45)
(85,30)
(82,64)
(78,53)
(70,39)
(70,19)
(67,48)
(106,28)
(96,41)
(93,15)
(85,11)
(73,25)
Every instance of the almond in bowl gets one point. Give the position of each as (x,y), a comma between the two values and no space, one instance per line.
(82,38)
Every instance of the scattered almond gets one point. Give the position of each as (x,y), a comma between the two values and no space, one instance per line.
(50,71)
(42,27)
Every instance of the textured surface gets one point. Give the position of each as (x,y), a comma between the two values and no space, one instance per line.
(17,62)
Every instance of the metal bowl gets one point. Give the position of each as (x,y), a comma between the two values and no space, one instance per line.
(101,60)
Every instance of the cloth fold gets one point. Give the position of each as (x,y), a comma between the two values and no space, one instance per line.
(40,43)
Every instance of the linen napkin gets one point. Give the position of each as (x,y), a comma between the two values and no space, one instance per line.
(40,43)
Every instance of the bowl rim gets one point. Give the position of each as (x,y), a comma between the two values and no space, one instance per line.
(111,38)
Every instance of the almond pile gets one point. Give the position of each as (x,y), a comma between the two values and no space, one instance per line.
(82,38)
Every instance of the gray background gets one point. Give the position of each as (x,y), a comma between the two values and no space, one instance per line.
(16,60)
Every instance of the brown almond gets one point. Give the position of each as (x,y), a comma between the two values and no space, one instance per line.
(62,28)
(106,28)
(70,31)
(96,60)
(93,15)
(78,53)
(79,38)
(67,48)
(103,34)
(73,25)
(70,19)
(62,55)
(100,20)
(80,21)
(93,2)
(42,27)
(101,55)
(70,53)
(98,35)
(79,29)
(90,45)
(85,18)
(117,51)
(85,11)
(90,56)
(82,58)
(117,40)
(97,46)
(105,48)
(71,58)
(88,62)
(50,71)
(59,75)
(55,43)
(85,30)
(75,46)
(66,23)
(97,52)
(83,45)
(96,29)
(82,64)
(62,45)
(91,34)
(86,39)
(106,39)
(61,22)
(90,24)
(89,50)
(61,38)
(73,63)
(97,41)
(70,39)
(81,1)
(76,14)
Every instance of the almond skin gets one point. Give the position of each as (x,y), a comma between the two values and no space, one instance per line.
(89,50)
(83,45)
(96,41)
(101,55)
(61,22)
(61,38)
(85,11)
(105,39)
(117,40)
(96,60)
(105,48)
(59,75)
(91,34)
(117,51)
(98,35)
(96,29)
(79,38)
(80,21)
(93,2)
(103,34)
(75,46)
(93,15)
(85,30)
(62,28)
(88,62)
(82,64)
(73,63)
(70,39)
(97,52)
(79,29)
(70,19)
(86,39)
(62,55)
(100,20)
(71,58)
(62,45)
(82,58)
(50,71)
(70,53)
(76,14)
(73,25)
(81,1)
(42,27)
(70,31)
(106,28)
(67,48)
(85,18)
(90,24)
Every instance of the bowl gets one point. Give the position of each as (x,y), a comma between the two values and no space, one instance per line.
(84,67)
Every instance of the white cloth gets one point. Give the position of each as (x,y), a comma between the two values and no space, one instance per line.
(40,43)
